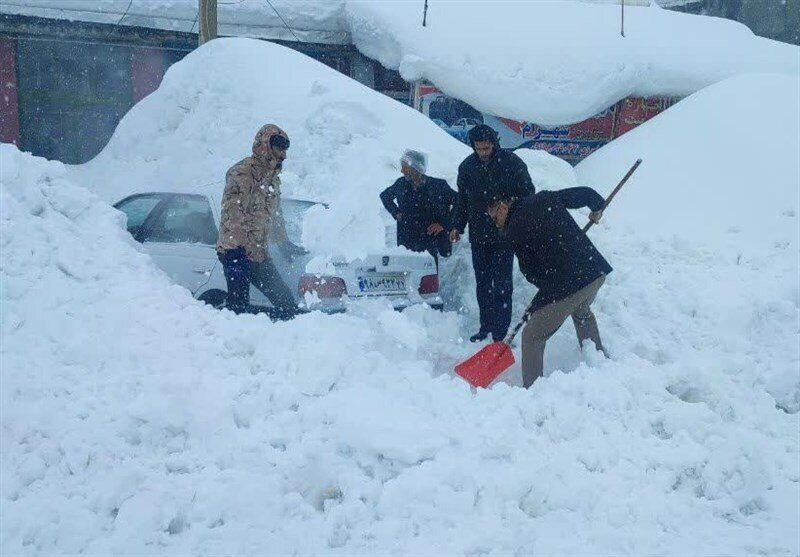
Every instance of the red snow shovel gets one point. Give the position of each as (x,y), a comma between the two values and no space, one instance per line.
(492,360)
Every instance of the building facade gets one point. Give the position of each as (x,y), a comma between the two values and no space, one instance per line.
(68,72)
(773,19)
(573,143)
(66,84)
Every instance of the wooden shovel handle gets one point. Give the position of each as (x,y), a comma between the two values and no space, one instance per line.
(611,196)
(609,199)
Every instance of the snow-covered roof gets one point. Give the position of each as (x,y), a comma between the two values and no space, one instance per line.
(551,62)
(559,62)
(662,3)
(320,21)
(310,20)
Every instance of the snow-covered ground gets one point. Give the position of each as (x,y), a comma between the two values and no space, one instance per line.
(138,421)
(556,62)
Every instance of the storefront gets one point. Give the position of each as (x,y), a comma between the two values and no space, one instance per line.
(572,143)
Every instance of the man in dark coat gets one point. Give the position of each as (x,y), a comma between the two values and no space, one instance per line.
(488,172)
(421,205)
(559,259)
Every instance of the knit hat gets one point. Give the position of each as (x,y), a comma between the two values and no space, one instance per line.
(482,132)
(416,160)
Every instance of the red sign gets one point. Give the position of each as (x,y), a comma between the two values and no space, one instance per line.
(634,111)
(572,142)
(597,128)
(147,70)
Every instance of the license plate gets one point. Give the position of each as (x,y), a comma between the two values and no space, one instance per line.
(382,282)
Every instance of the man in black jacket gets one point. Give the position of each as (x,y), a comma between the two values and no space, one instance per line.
(487,173)
(421,205)
(559,259)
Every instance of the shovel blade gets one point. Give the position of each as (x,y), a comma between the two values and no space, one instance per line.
(484,367)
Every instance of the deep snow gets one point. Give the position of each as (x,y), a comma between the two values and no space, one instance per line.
(346,138)
(138,421)
(556,62)
(721,168)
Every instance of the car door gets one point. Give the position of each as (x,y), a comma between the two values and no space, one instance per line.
(180,235)
(290,267)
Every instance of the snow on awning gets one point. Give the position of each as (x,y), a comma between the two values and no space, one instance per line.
(559,62)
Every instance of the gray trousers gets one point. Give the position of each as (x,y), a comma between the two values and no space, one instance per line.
(546,321)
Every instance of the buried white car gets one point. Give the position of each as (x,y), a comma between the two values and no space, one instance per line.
(179,231)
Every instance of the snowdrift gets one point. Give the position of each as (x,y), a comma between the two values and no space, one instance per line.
(346,144)
(138,421)
(721,168)
(346,138)
(135,420)
(559,62)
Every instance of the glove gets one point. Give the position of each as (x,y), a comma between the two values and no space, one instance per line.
(595,216)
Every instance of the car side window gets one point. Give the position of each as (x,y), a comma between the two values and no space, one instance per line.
(137,209)
(184,219)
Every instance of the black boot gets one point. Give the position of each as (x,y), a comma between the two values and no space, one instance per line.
(479,336)
(499,337)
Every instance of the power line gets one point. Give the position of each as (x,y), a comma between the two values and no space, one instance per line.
(106,42)
(284,22)
(197,15)
(125,13)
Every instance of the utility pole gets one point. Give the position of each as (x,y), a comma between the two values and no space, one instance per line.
(622,8)
(207,18)
(425,14)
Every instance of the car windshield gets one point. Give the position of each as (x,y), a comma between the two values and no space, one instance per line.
(293,213)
